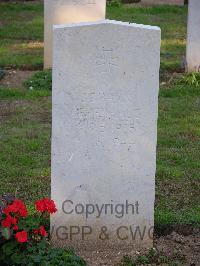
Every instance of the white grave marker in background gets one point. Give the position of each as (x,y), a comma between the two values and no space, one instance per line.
(105,107)
(58,12)
(193,37)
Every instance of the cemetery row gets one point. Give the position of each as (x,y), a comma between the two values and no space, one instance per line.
(58,12)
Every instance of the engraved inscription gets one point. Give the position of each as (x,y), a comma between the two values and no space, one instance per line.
(99,118)
(76,2)
(106,60)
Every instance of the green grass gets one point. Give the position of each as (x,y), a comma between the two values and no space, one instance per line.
(21,33)
(12,94)
(25,126)
(41,80)
(154,257)
(171,20)
(178,163)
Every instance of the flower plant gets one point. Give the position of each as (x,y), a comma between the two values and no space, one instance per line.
(24,238)
(16,223)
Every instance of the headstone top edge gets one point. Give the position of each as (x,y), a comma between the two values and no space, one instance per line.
(104,22)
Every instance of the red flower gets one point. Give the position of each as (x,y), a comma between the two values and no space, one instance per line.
(8,221)
(15,228)
(42,231)
(40,205)
(17,207)
(36,231)
(7,211)
(22,237)
(45,205)
(14,221)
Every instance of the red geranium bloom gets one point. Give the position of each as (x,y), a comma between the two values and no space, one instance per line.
(22,237)
(17,207)
(36,231)
(15,228)
(8,221)
(40,205)
(45,205)
(7,211)
(42,231)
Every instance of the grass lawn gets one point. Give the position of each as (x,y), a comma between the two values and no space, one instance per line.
(171,20)
(21,33)
(25,115)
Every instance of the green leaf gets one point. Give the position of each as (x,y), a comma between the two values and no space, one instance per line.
(17,258)
(37,258)
(6,233)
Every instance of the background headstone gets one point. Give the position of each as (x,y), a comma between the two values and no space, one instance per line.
(105,101)
(58,12)
(193,37)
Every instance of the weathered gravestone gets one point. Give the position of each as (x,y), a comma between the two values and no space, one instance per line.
(58,12)
(105,101)
(193,37)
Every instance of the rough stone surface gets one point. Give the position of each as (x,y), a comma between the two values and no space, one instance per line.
(193,38)
(105,97)
(57,12)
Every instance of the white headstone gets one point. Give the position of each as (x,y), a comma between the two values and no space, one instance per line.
(105,105)
(57,12)
(193,37)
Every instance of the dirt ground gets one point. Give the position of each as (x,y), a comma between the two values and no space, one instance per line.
(184,249)
(162,2)
(159,2)
(15,78)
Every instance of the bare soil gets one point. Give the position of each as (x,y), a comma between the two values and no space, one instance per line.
(183,249)
(15,78)
(158,2)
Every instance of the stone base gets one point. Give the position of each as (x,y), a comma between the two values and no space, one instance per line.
(96,246)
